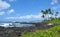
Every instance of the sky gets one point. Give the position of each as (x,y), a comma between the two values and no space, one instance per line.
(26,10)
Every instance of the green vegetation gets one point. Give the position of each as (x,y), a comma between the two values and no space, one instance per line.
(57,21)
(52,32)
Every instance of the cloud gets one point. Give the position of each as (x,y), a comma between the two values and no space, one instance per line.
(26,17)
(12,0)
(2,13)
(58,16)
(10,11)
(54,2)
(4,5)
(56,7)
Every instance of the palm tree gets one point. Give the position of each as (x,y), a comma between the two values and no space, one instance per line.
(43,16)
(56,14)
(47,12)
(43,13)
(50,13)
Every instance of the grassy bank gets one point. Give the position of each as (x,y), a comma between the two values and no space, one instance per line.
(53,21)
(52,32)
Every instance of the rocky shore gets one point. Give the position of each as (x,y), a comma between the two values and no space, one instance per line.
(14,31)
(18,31)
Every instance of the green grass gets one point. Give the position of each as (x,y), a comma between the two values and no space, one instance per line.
(52,32)
(53,21)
